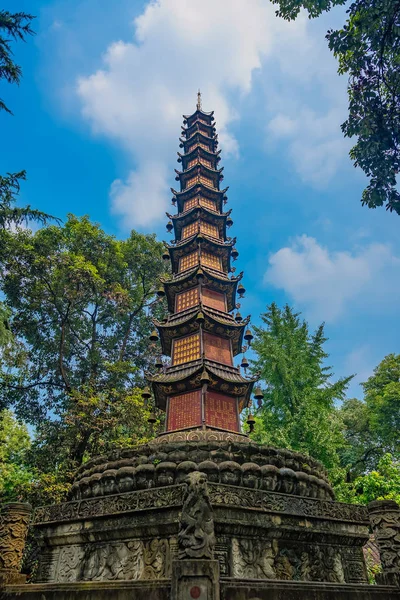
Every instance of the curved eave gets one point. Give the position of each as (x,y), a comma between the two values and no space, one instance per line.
(197,113)
(188,279)
(186,323)
(199,212)
(190,139)
(201,167)
(188,193)
(198,126)
(187,377)
(198,151)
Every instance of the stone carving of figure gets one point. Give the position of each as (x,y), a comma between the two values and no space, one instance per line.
(14,521)
(144,475)
(303,484)
(211,469)
(95,485)
(269,480)
(109,483)
(183,470)
(251,476)
(230,473)
(384,517)
(288,480)
(196,537)
(75,493)
(314,486)
(84,486)
(125,479)
(165,473)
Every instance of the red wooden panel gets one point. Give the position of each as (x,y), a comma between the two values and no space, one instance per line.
(184,410)
(220,411)
(217,348)
(213,299)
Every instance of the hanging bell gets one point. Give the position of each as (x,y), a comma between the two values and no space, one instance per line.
(159,363)
(154,336)
(229,222)
(169,226)
(241,290)
(244,364)
(234,253)
(248,336)
(205,379)
(146,394)
(173,201)
(258,395)
(251,422)
(200,318)
(238,317)
(152,418)
(165,255)
(161,291)
(200,274)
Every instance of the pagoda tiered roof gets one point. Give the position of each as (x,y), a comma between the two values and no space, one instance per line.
(199,170)
(214,321)
(181,378)
(199,138)
(199,114)
(198,151)
(199,212)
(199,189)
(219,248)
(213,280)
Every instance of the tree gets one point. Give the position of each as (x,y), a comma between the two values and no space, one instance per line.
(371,425)
(382,483)
(81,305)
(15,26)
(368,50)
(15,476)
(298,410)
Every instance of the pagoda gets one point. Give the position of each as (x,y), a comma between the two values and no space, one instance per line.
(200,512)
(201,388)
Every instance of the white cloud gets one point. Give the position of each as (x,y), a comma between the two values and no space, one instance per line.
(325,283)
(144,86)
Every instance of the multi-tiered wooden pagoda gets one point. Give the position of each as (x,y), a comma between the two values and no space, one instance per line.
(202,335)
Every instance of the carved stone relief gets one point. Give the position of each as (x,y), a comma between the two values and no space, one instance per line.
(253,559)
(196,537)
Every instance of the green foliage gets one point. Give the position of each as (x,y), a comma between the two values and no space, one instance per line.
(371,425)
(368,50)
(15,476)
(81,305)
(298,409)
(380,484)
(12,215)
(15,26)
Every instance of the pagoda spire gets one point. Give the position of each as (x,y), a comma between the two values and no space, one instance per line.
(201,388)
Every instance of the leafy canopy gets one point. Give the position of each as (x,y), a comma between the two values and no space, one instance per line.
(368,51)
(298,410)
(81,304)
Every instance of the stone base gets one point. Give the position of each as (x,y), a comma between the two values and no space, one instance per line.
(195,580)
(230,589)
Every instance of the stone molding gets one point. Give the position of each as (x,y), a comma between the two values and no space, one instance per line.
(220,495)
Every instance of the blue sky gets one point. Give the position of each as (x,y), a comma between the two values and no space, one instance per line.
(96,124)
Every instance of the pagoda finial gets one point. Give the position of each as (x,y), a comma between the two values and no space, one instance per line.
(198,106)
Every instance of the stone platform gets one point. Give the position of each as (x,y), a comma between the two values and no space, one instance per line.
(205,519)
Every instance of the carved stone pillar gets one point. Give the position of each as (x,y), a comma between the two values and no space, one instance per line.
(384,516)
(14,522)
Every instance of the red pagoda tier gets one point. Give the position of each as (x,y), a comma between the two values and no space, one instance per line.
(201,387)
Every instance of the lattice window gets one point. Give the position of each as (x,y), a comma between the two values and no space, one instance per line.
(213,299)
(220,411)
(209,229)
(203,161)
(188,261)
(186,349)
(187,299)
(206,181)
(192,181)
(207,203)
(217,348)
(210,260)
(190,229)
(190,204)
(184,411)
